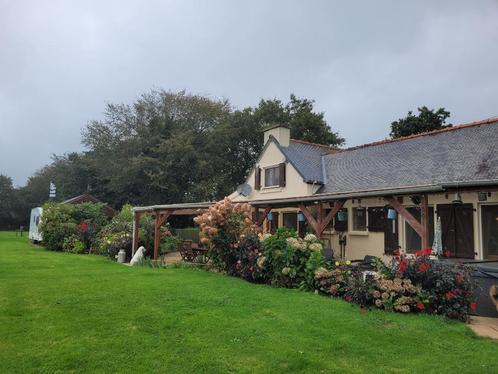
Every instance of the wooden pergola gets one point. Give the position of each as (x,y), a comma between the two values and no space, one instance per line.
(318,220)
(161,213)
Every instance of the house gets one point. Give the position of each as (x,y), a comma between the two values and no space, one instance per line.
(375,198)
(87,198)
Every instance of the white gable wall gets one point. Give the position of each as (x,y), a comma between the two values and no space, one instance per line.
(295,185)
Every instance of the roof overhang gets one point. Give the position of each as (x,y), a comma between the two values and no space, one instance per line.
(176,209)
(371,193)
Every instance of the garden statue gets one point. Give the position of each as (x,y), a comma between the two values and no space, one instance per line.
(138,257)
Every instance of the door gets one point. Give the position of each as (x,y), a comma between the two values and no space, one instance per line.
(457,226)
(391,238)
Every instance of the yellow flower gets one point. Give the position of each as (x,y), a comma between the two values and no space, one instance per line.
(348,262)
(337,263)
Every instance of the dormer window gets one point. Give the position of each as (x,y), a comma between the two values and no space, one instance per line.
(272,177)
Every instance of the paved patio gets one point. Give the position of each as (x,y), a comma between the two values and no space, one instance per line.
(485,326)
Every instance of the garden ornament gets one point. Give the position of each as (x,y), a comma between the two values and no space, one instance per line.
(138,257)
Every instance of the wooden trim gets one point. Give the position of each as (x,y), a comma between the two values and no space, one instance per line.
(424,204)
(412,221)
(136,232)
(257,178)
(159,221)
(311,220)
(337,206)
(281,174)
(262,218)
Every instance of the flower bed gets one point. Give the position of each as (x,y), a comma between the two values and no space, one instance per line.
(420,284)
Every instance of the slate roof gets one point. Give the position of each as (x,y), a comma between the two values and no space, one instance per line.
(307,159)
(466,153)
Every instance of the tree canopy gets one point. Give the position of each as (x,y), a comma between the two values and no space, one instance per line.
(170,147)
(426,120)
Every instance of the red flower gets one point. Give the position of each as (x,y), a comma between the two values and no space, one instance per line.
(423,267)
(403,265)
(447,253)
(450,295)
(473,305)
(459,278)
(83,227)
(420,306)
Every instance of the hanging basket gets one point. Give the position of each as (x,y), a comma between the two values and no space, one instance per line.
(342,216)
(391,214)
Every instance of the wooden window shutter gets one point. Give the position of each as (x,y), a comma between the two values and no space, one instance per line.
(257,177)
(281,174)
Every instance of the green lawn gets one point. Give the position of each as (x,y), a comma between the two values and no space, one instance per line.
(80,313)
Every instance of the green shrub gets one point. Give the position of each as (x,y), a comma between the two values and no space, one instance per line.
(170,244)
(117,234)
(74,245)
(287,256)
(90,219)
(57,223)
(447,287)
(190,233)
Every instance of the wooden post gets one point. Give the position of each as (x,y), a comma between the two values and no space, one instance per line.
(337,206)
(262,217)
(159,220)
(311,220)
(135,234)
(425,222)
(412,221)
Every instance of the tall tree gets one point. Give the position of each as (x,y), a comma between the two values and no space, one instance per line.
(12,211)
(426,120)
(300,116)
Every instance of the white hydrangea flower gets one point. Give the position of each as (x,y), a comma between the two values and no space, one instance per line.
(315,247)
(310,237)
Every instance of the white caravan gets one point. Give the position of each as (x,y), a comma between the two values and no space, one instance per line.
(34,222)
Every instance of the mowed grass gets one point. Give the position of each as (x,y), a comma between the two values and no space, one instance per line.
(80,313)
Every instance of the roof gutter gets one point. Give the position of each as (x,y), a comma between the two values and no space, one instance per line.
(152,208)
(349,195)
(376,193)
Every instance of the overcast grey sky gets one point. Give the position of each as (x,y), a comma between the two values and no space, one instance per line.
(365,63)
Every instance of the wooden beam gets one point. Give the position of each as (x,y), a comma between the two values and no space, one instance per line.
(158,222)
(311,220)
(262,218)
(136,231)
(425,222)
(326,221)
(412,221)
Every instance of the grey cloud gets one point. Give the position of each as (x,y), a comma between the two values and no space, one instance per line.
(365,63)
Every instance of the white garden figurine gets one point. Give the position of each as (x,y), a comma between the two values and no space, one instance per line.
(138,256)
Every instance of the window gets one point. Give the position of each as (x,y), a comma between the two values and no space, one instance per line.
(290,220)
(275,176)
(413,242)
(377,219)
(273,224)
(489,221)
(272,176)
(359,219)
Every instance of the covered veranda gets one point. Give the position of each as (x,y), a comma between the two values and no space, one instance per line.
(161,213)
